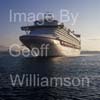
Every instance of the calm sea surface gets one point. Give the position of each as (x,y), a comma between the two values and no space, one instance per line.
(86,65)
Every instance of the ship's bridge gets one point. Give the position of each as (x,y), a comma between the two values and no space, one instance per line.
(43,26)
(43,30)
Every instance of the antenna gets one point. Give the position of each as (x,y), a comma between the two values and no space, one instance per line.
(49,16)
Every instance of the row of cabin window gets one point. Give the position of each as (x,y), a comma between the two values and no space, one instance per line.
(67,36)
(63,32)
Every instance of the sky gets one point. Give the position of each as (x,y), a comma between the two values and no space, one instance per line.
(87,23)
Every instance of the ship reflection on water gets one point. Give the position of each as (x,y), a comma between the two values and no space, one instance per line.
(50,67)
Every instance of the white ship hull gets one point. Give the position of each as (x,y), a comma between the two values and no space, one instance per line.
(54,48)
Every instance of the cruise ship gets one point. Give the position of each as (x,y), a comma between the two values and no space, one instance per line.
(62,41)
